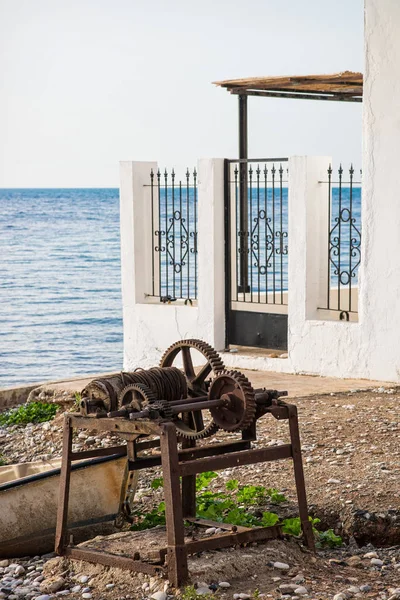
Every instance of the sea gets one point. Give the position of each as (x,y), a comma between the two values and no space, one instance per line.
(60,283)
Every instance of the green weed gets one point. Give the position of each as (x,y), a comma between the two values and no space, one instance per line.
(233,507)
(34,412)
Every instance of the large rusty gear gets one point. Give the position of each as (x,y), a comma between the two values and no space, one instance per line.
(136,396)
(239,410)
(191,425)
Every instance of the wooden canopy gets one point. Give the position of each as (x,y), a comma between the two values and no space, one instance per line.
(345,87)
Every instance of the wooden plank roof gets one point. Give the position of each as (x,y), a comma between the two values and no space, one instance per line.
(347,86)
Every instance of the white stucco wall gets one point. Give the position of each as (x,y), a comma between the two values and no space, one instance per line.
(150,326)
(380,285)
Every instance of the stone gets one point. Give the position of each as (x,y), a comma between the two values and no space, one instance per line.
(370,555)
(365,588)
(4,563)
(353,589)
(281,566)
(334,481)
(19,570)
(376,562)
(110,586)
(87,596)
(76,589)
(83,579)
(244,596)
(340,596)
(354,561)
(210,531)
(202,591)
(52,585)
(224,584)
(301,591)
(159,596)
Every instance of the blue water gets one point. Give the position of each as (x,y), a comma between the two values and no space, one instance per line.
(60,291)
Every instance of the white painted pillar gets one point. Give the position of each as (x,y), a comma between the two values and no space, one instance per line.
(211,252)
(379,304)
(136,248)
(308,236)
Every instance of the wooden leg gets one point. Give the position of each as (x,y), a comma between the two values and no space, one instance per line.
(65,477)
(299,477)
(176,551)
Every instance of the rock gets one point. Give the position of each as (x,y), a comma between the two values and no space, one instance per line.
(4,563)
(301,591)
(244,596)
(76,589)
(370,555)
(210,531)
(110,586)
(85,589)
(159,596)
(52,585)
(376,562)
(202,591)
(354,561)
(340,596)
(353,589)
(87,596)
(19,570)
(365,588)
(224,584)
(281,566)
(334,481)
(83,579)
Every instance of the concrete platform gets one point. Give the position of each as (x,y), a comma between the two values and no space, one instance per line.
(307,385)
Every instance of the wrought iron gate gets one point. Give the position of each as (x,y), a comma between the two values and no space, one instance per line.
(256,252)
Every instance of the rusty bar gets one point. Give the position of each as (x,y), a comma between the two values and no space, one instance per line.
(216,524)
(197,406)
(247,457)
(65,479)
(146,445)
(98,452)
(187,400)
(112,560)
(189,487)
(176,551)
(299,477)
(192,453)
(224,540)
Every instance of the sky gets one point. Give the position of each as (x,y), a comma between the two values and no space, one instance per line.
(87,83)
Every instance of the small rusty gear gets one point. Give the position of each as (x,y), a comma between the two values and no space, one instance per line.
(136,396)
(240,407)
(191,425)
(163,408)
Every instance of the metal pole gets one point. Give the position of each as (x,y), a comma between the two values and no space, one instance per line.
(243,284)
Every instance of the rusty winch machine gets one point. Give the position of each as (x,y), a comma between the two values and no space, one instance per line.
(177,406)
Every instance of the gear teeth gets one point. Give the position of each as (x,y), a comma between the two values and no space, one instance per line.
(146,395)
(248,399)
(163,407)
(217,366)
